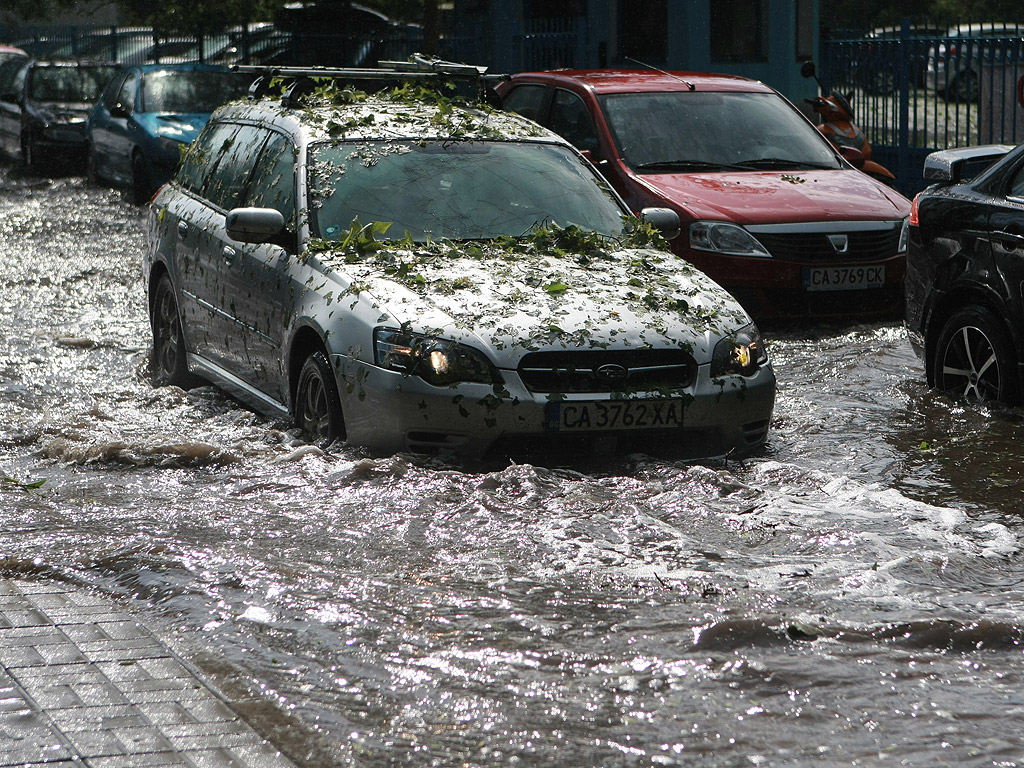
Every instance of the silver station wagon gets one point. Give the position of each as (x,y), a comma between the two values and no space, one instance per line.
(409,269)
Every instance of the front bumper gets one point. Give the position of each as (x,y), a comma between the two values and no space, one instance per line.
(388,412)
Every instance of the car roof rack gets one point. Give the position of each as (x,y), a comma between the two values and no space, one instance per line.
(301,81)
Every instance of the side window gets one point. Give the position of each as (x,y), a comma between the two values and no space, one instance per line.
(226,183)
(110,92)
(1017,186)
(571,120)
(126,94)
(273,179)
(202,154)
(527,100)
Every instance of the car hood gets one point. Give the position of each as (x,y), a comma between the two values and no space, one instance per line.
(510,302)
(180,127)
(772,197)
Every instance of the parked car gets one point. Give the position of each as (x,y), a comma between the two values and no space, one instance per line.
(43,108)
(965,308)
(409,274)
(955,66)
(10,51)
(147,114)
(769,208)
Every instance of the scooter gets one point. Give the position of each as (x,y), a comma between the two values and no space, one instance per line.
(837,126)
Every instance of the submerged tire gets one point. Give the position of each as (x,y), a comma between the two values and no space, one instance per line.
(975,358)
(168,363)
(317,405)
(141,188)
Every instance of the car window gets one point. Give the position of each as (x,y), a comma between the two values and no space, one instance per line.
(68,85)
(110,93)
(203,153)
(717,128)
(226,182)
(1017,185)
(571,120)
(273,179)
(526,100)
(457,190)
(126,94)
(9,72)
(191,91)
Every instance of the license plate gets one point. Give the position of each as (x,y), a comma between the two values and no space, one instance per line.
(844,278)
(572,416)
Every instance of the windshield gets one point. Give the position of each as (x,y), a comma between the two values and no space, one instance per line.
(457,190)
(193,91)
(713,131)
(69,84)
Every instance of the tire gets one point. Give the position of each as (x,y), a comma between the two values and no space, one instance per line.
(317,405)
(91,174)
(975,358)
(29,156)
(169,364)
(141,189)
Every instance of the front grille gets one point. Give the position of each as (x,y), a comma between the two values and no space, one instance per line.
(633,370)
(863,245)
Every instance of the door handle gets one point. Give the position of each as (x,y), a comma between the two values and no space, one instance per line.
(228,253)
(182,229)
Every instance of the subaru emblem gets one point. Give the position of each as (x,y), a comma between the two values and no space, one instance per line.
(611,373)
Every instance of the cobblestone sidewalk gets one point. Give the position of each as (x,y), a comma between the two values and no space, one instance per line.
(83,684)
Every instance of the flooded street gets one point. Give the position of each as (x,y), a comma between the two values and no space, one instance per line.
(854,595)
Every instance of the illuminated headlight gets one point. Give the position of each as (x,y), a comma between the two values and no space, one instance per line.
(740,353)
(722,237)
(904,236)
(437,361)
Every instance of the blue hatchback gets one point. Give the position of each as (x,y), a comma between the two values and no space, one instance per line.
(147,114)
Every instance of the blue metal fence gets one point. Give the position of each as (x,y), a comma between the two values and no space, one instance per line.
(915,92)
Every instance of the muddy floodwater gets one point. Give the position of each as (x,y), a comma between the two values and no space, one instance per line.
(852,596)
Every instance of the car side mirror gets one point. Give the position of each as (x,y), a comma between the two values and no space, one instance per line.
(853,156)
(665,220)
(119,110)
(254,225)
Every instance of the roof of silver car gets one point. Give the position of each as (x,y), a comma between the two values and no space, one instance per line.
(379,113)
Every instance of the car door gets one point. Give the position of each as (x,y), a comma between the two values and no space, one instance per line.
(1006,231)
(108,127)
(224,286)
(12,88)
(189,220)
(262,274)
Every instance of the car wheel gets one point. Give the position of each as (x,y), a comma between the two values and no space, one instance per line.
(168,364)
(975,358)
(91,174)
(317,405)
(141,189)
(28,153)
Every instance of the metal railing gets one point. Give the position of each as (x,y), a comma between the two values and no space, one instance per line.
(914,94)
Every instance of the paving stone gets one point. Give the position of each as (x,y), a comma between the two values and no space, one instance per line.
(85,685)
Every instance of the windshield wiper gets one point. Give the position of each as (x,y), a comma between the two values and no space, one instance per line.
(687,165)
(781,163)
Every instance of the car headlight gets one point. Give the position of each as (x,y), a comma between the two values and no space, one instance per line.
(722,237)
(739,353)
(437,361)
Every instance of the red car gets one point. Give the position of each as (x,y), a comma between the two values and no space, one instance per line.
(768,208)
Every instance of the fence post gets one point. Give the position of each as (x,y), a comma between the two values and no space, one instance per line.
(903,138)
